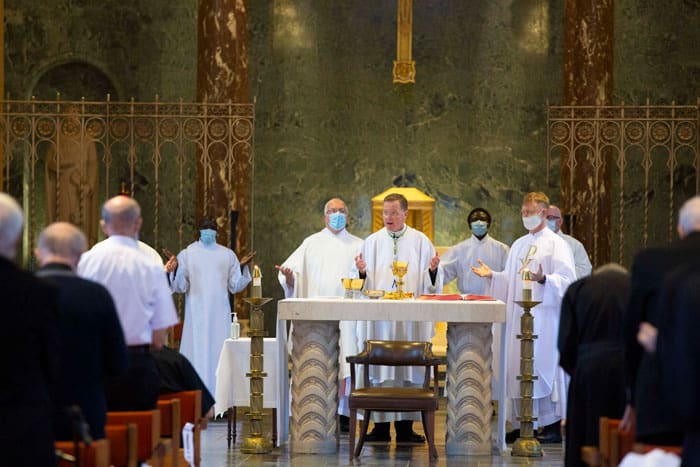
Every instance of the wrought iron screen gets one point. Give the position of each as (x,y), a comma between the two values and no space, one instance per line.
(64,158)
(651,153)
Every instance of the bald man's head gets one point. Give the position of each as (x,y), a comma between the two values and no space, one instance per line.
(60,242)
(689,217)
(11,221)
(121,215)
(554,219)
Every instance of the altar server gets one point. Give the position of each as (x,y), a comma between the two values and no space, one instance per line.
(457,263)
(551,263)
(315,269)
(206,273)
(397,242)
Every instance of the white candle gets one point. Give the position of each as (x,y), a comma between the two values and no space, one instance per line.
(257,283)
(527,286)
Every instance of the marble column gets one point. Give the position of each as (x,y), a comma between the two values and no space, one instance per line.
(588,80)
(222,77)
(468,389)
(314,387)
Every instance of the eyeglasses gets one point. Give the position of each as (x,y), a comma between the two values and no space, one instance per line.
(552,218)
(334,210)
(392,213)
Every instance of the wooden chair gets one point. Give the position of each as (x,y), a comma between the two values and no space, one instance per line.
(123,439)
(97,455)
(190,412)
(170,427)
(394,399)
(149,445)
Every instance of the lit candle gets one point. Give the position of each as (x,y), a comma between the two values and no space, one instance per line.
(527,286)
(257,282)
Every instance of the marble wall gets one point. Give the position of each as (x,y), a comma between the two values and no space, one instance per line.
(330,122)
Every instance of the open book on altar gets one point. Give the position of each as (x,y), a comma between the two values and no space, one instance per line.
(455,296)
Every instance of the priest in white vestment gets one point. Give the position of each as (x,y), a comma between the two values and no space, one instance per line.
(581,260)
(206,273)
(458,260)
(397,242)
(315,269)
(548,257)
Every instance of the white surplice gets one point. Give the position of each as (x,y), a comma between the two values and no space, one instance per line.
(581,260)
(457,262)
(206,274)
(319,264)
(530,251)
(415,248)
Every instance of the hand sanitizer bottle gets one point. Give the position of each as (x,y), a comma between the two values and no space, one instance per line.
(235,327)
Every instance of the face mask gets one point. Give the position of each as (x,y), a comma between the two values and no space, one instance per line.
(531,222)
(552,224)
(336,220)
(207,236)
(479,228)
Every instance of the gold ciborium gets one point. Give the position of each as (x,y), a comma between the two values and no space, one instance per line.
(399,269)
(352,287)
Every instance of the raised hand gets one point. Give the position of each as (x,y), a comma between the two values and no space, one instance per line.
(482,270)
(287,273)
(246,259)
(434,262)
(171,264)
(360,263)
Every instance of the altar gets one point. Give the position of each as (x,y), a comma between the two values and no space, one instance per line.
(314,386)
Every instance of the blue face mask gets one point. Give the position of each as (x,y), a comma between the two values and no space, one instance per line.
(207,236)
(552,224)
(479,228)
(336,220)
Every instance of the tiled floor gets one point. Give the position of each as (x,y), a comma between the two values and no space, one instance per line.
(215,452)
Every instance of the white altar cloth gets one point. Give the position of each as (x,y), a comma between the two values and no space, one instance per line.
(458,312)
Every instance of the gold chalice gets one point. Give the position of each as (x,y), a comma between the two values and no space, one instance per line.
(352,286)
(399,269)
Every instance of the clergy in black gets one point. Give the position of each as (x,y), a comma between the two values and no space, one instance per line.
(590,351)
(28,352)
(654,422)
(92,341)
(678,351)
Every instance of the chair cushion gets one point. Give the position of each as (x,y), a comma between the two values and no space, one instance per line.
(391,398)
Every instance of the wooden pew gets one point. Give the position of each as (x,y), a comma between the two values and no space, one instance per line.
(191,412)
(123,440)
(614,444)
(170,427)
(149,447)
(97,455)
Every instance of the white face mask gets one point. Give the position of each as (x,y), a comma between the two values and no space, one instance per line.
(532,222)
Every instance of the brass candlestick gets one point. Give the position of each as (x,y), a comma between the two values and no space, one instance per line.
(256,443)
(526,445)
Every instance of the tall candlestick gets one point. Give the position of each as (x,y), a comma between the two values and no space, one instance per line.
(257,283)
